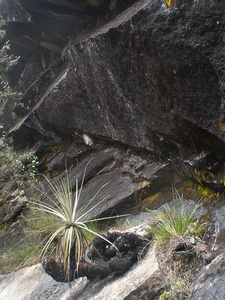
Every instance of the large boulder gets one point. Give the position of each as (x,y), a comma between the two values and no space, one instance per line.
(152,79)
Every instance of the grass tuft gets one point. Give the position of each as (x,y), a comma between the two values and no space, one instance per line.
(176,221)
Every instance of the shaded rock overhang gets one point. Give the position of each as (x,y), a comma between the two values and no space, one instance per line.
(48,25)
(152,78)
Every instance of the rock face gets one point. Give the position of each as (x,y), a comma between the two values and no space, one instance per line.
(124,181)
(32,283)
(152,79)
(209,284)
(39,30)
(14,203)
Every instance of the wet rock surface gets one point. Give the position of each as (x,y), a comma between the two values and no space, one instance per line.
(40,30)
(164,95)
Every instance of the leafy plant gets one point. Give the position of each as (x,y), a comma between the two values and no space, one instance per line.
(96,227)
(71,228)
(176,221)
(18,167)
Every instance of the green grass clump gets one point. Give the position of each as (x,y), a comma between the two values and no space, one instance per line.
(176,221)
(36,227)
(22,254)
(5,226)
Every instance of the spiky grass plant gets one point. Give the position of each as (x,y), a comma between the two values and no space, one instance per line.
(176,221)
(71,228)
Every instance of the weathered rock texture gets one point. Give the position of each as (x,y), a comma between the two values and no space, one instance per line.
(40,29)
(153,79)
(14,203)
(127,179)
(210,282)
(31,283)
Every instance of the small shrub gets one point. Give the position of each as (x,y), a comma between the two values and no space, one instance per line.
(18,167)
(4,226)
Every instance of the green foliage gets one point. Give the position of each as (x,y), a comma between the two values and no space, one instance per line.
(176,221)
(95,227)
(178,290)
(119,223)
(20,168)
(70,225)
(5,226)
(123,224)
(20,255)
